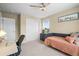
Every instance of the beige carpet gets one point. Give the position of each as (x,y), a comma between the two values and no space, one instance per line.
(37,48)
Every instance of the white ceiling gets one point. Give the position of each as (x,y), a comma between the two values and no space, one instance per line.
(23,8)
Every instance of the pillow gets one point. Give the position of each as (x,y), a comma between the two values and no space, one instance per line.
(74,35)
(77,42)
(77,35)
(69,39)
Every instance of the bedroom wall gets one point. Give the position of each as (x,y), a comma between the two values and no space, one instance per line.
(0,13)
(64,27)
(23,25)
(31,27)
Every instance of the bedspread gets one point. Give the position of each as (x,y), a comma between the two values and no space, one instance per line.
(61,44)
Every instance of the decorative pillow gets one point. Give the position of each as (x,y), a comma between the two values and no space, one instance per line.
(77,35)
(77,42)
(69,39)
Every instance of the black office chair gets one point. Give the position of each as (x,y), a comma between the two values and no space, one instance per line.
(21,38)
(18,43)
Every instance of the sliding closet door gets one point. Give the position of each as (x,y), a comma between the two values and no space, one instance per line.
(32,29)
(9,26)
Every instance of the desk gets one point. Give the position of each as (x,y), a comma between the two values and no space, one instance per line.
(7,48)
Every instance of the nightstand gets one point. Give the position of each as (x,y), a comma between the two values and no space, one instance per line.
(42,36)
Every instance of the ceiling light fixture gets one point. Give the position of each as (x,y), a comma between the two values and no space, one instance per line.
(41,6)
(43,9)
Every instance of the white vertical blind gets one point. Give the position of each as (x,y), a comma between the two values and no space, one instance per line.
(32,29)
(9,27)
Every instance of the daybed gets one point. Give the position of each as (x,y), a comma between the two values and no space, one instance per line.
(58,41)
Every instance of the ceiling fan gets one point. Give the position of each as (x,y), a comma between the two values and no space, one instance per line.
(42,6)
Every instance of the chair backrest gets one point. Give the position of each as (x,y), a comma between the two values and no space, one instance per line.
(21,38)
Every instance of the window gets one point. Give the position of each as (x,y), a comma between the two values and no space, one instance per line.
(45,28)
(46,24)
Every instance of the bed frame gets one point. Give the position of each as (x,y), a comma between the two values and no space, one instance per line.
(43,36)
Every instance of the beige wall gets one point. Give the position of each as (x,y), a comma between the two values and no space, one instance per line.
(0,13)
(64,27)
(23,25)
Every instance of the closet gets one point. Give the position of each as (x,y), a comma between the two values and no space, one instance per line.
(9,27)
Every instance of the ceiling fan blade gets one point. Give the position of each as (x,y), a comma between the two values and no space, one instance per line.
(35,6)
(43,5)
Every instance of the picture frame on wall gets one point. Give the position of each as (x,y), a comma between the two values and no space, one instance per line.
(70,17)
